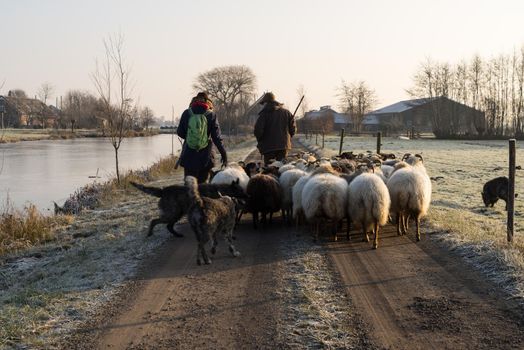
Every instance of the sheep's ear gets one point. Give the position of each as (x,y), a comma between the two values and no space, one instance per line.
(419,156)
(241,163)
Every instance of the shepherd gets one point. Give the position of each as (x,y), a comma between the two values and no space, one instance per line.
(274,129)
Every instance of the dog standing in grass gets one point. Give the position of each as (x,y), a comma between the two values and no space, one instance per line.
(208,217)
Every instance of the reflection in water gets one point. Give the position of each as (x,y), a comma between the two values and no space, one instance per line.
(44,171)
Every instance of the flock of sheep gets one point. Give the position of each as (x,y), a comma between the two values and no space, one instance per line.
(367,190)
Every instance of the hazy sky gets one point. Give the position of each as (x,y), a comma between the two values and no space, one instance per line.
(286,43)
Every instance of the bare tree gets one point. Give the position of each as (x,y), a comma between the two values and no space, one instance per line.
(45,91)
(79,110)
(357,99)
(231,88)
(304,107)
(147,117)
(112,82)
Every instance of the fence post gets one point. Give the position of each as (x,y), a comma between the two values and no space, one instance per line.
(341,141)
(511,189)
(323,139)
(379,141)
(316,138)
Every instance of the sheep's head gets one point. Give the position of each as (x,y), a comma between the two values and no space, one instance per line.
(251,168)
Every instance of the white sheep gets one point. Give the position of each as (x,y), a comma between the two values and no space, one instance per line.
(296,197)
(410,191)
(231,173)
(287,180)
(285,168)
(368,204)
(324,197)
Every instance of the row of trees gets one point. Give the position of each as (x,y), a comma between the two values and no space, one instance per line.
(82,109)
(494,86)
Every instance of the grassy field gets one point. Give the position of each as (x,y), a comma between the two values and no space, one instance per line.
(459,170)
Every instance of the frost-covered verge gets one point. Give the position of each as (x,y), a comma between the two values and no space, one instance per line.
(318,315)
(457,216)
(49,291)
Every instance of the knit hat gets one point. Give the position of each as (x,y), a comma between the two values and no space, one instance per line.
(268,97)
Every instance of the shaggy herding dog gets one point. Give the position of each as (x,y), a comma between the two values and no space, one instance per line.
(209,217)
(174,201)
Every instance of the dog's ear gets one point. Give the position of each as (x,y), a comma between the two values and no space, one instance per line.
(516,195)
(220,194)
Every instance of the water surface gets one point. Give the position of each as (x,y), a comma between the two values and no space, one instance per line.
(41,172)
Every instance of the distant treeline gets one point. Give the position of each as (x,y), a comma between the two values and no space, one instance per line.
(494,86)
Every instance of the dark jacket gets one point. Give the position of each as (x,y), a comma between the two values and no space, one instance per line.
(274,128)
(199,160)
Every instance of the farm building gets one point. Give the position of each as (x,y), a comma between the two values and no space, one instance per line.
(440,115)
(27,112)
(325,119)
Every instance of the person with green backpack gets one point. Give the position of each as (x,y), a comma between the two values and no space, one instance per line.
(200,130)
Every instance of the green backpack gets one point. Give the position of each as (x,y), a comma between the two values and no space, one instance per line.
(197,138)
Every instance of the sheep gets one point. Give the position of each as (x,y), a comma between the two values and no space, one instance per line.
(368,204)
(324,197)
(285,168)
(287,180)
(410,191)
(231,173)
(296,197)
(264,196)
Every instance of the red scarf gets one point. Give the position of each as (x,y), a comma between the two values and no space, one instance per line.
(200,104)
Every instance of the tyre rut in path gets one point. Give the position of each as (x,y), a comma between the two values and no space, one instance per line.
(419,296)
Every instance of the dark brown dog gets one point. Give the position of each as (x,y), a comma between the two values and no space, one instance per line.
(174,201)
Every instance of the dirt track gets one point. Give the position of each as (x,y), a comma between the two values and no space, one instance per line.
(404,295)
(418,296)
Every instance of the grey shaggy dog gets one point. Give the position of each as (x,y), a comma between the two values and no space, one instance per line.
(208,217)
(174,201)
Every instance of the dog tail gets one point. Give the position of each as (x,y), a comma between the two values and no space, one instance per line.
(194,194)
(154,191)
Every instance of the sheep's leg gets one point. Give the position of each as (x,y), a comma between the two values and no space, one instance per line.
(405,218)
(417,223)
(271,218)
(335,229)
(255,220)
(264,219)
(399,219)
(317,229)
(284,214)
(375,242)
(366,237)
(348,228)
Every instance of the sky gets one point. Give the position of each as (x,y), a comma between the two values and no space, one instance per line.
(286,43)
